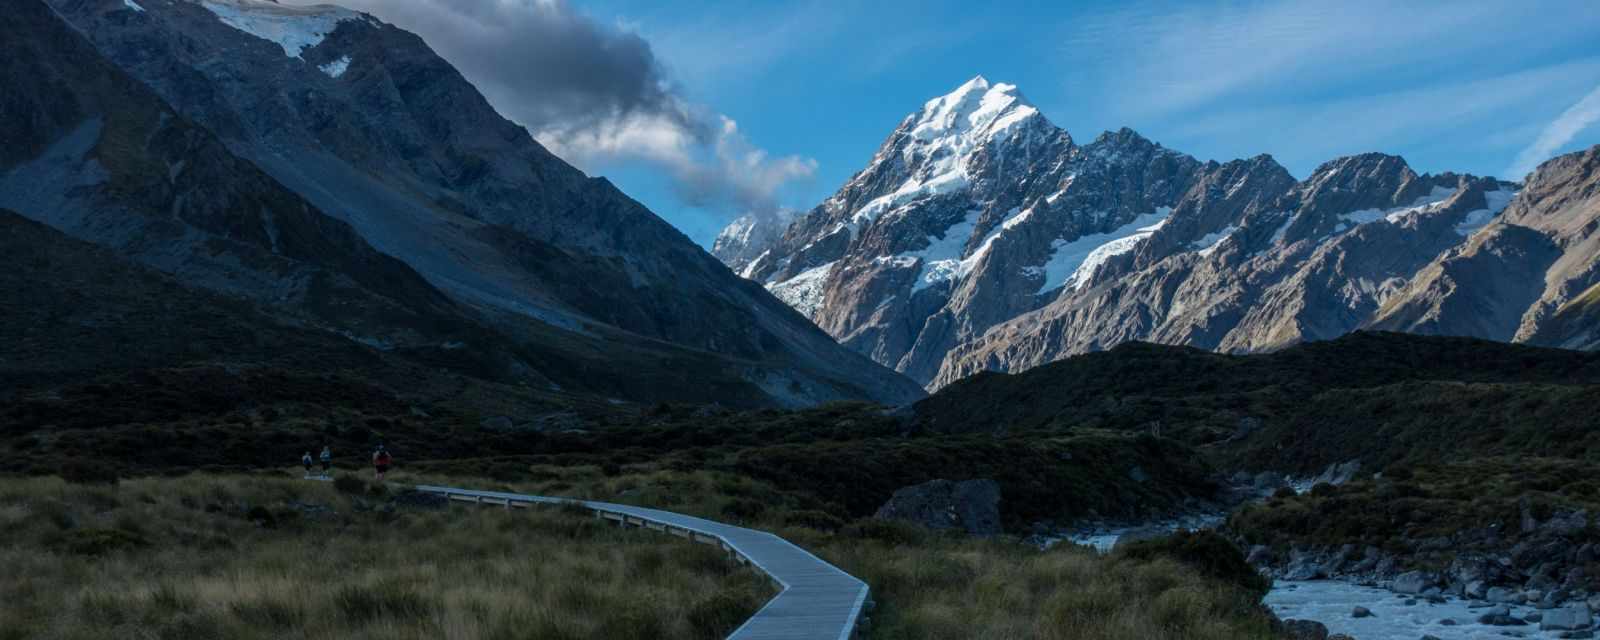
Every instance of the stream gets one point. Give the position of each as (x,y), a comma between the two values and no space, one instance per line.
(1333,602)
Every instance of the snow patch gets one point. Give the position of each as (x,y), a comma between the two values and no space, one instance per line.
(941,259)
(1207,244)
(132,5)
(1477,219)
(804,291)
(1072,262)
(291,27)
(337,67)
(1423,204)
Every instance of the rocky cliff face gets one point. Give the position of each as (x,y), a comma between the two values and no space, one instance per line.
(361,137)
(981,237)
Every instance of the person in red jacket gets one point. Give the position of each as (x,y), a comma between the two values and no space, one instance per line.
(381,461)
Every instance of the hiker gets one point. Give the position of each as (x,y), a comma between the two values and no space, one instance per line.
(306,460)
(381,461)
(327,460)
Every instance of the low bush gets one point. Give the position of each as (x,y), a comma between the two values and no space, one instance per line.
(1207,552)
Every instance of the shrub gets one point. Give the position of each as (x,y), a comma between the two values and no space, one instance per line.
(895,532)
(1323,490)
(97,542)
(88,473)
(813,519)
(1207,552)
(1284,493)
(743,509)
(722,611)
(349,485)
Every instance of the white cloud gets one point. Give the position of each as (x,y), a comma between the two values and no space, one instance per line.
(1559,132)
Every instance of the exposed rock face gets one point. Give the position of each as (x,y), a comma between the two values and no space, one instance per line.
(981,237)
(362,124)
(1311,264)
(970,505)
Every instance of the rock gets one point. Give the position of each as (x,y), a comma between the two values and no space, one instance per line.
(1361,612)
(1569,618)
(1566,524)
(1304,630)
(1260,555)
(1413,582)
(1529,523)
(1476,590)
(1337,474)
(1267,481)
(1340,636)
(1303,565)
(1138,475)
(970,505)
(1448,622)
(1576,635)
(1411,602)
(1503,595)
(1500,616)
(1533,616)
(1428,637)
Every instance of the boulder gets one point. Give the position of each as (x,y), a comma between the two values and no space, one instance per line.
(1260,555)
(1476,590)
(1500,616)
(1413,582)
(1303,565)
(1503,595)
(1361,612)
(1569,618)
(1566,524)
(972,506)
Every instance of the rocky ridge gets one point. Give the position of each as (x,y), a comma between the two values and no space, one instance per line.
(982,237)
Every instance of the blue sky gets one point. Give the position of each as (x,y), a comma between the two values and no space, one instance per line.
(798,95)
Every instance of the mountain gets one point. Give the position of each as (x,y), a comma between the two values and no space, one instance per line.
(1312,262)
(981,237)
(748,238)
(968,215)
(333,165)
(1529,277)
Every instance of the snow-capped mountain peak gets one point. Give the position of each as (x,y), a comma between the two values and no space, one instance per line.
(972,114)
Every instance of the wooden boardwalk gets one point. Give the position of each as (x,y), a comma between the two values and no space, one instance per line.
(818,601)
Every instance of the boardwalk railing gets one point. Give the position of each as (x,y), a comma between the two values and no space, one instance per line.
(817,601)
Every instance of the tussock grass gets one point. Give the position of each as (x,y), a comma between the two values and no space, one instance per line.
(270,556)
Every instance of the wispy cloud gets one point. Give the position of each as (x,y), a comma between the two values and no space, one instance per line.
(597,95)
(1307,80)
(1443,115)
(1559,132)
